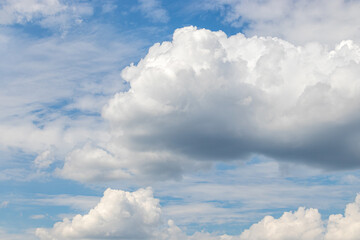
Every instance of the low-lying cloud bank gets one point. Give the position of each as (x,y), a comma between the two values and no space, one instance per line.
(137,215)
(208,97)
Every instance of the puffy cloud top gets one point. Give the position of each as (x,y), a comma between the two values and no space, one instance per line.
(347,226)
(304,224)
(119,214)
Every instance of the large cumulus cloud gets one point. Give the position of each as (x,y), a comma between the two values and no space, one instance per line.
(205,96)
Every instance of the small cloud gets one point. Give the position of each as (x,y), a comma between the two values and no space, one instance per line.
(44,159)
(153,10)
(108,7)
(4,204)
(89,163)
(350,179)
(36,217)
(46,13)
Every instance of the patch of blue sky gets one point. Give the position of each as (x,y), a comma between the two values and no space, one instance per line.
(232,204)
(191,13)
(61,107)
(126,17)
(33,30)
(225,166)
(169,200)
(53,186)
(256,160)
(229,228)
(32,199)
(18,157)
(314,180)
(328,178)
(17,217)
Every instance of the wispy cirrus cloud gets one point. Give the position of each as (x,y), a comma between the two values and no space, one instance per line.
(296,21)
(153,10)
(52,91)
(47,13)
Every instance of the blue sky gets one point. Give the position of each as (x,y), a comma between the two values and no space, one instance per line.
(201,118)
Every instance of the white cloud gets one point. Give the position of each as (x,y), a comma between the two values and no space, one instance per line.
(205,96)
(137,215)
(326,21)
(304,224)
(38,216)
(122,215)
(4,204)
(92,164)
(153,10)
(44,159)
(47,13)
(52,90)
(345,227)
(20,11)
(119,214)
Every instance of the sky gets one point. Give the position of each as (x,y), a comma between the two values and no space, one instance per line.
(179,120)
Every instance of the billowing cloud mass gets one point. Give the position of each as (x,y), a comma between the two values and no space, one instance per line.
(122,215)
(304,224)
(119,214)
(326,21)
(137,215)
(347,226)
(205,96)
